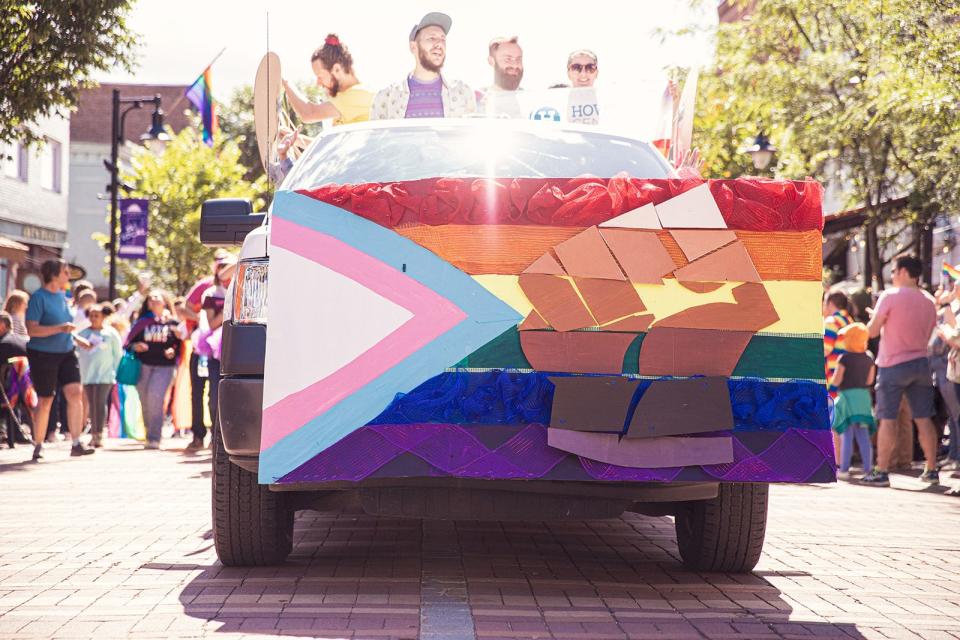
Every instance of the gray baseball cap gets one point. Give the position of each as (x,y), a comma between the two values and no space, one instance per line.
(432,19)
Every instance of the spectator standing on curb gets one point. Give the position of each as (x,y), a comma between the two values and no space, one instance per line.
(52,356)
(155,341)
(213,303)
(904,318)
(836,316)
(98,369)
(16,306)
(941,352)
(853,415)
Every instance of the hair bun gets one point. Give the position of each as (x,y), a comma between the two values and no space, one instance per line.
(332,40)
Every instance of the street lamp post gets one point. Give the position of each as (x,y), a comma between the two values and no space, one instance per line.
(761,152)
(155,133)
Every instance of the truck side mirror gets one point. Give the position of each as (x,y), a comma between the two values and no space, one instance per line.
(227,221)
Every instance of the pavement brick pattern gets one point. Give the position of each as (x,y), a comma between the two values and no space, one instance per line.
(118,544)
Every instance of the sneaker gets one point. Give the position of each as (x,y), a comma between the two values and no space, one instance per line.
(80,450)
(876,479)
(843,475)
(195,445)
(152,445)
(930,476)
(37,452)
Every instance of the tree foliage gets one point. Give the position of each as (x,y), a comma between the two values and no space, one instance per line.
(863,94)
(180,180)
(50,50)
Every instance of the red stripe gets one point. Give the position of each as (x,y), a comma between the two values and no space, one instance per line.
(749,204)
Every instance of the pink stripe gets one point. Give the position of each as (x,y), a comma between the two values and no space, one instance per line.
(433,315)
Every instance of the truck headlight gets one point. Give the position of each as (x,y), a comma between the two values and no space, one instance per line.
(246,301)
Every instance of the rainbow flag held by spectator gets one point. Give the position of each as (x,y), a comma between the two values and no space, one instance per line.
(949,271)
(200,96)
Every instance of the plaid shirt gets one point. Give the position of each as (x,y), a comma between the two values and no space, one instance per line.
(391,103)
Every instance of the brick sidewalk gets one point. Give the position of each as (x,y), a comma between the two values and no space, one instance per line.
(118,544)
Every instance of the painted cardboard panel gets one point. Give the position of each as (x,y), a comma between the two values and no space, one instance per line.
(753,310)
(556,301)
(648,453)
(576,351)
(640,253)
(668,351)
(591,403)
(644,217)
(693,209)
(730,263)
(586,255)
(609,300)
(680,407)
(697,242)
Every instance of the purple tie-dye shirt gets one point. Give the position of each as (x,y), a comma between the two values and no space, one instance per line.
(426,99)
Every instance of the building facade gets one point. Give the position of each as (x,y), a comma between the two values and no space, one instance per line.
(34,192)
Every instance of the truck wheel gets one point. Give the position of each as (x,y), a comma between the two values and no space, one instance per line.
(252,526)
(724,533)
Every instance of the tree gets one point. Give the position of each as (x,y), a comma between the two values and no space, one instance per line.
(51,49)
(180,180)
(864,93)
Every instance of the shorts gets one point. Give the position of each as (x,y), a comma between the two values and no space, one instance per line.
(51,370)
(911,378)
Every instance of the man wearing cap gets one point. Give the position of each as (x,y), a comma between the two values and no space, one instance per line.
(425,93)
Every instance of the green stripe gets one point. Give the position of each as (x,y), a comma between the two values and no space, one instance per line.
(766,356)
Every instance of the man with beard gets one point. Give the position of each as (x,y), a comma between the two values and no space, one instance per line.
(347,100)
(506,58)
(425,93)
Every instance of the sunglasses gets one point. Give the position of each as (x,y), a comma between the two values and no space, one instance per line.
(590,67)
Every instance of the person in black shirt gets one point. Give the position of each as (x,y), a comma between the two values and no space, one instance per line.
(155,340)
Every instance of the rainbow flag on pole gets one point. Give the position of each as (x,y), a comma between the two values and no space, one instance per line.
(950,272)
(200,96)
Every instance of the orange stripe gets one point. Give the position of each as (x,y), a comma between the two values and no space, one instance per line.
(509,249)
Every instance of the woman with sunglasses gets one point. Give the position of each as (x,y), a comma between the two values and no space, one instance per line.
(582,68)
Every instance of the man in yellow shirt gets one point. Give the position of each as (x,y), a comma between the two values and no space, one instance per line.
(347,101)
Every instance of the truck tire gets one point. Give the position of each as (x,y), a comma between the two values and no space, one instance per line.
(252,526)
(724,533)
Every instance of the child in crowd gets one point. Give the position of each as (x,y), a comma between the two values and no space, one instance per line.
(98,368)
(853,412)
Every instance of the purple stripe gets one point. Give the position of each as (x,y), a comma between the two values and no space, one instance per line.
(458,451)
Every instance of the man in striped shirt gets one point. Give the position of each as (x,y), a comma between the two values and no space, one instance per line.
(426,93)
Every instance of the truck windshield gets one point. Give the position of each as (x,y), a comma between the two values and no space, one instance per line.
(467,148)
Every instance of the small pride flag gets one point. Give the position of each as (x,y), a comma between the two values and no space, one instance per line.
(950,272)
(199,95)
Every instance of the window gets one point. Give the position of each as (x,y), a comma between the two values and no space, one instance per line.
(13,157)
(51,165)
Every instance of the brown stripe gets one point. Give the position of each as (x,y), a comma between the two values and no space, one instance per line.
(509,249)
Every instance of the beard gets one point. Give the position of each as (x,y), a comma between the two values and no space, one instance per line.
(426,62)
(506,81)
(334,88)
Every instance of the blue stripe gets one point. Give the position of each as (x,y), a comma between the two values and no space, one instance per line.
(515,398)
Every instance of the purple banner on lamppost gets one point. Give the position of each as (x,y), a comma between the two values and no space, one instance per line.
(133,229)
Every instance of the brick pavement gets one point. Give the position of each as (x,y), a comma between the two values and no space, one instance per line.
(118,544)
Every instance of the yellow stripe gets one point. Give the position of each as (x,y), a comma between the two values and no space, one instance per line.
(797,302)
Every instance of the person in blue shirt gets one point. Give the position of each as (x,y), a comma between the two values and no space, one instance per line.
(52,355)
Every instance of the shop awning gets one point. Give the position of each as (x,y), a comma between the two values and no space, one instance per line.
(12,250)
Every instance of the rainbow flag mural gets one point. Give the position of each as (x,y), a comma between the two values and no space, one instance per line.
(949,271)
(199,94)
(555,328)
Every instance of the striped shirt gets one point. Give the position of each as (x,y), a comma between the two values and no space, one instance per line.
(832,349)
(426,99)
